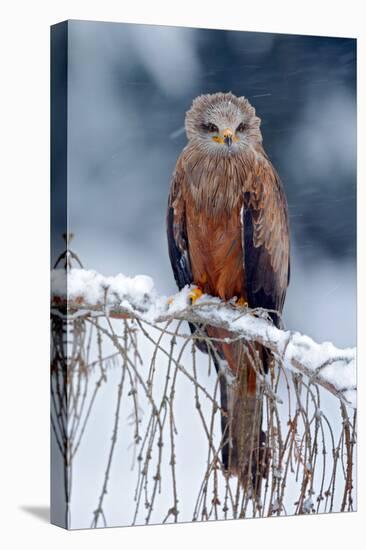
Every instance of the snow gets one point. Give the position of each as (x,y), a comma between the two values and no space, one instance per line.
(96,289)
(179,301)
(308,505)
(139,296)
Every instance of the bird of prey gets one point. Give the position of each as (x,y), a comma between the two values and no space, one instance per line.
(228,236)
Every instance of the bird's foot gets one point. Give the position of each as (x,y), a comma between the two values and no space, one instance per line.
(194,294)
(241,303)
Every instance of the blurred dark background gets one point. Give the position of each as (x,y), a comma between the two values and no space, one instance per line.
(129,87)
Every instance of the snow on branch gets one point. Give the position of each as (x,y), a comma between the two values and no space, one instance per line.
(80,292)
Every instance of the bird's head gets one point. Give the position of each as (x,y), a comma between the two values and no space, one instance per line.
(222,123)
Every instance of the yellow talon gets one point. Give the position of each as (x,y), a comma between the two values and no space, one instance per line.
(194,294)
(241,303)
(170,300)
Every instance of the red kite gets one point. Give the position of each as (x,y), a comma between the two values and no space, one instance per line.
(228,235)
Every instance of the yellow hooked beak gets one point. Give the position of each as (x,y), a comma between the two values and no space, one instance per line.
(227,136)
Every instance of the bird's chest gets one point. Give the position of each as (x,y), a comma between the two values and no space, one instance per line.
(215,249)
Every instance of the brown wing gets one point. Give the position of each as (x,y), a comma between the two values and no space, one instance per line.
(178,241)
(266,241)
(177,232)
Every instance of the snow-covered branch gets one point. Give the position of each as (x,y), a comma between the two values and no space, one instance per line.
(88,292)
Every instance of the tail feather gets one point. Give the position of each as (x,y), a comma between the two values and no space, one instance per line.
(244,453)
(244,449)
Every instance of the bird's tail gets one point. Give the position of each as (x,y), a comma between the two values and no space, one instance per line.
(244,451)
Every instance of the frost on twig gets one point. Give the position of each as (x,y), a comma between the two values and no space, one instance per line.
(136,298)
(161,382)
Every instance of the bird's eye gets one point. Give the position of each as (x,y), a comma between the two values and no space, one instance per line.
(209,127)
(242,127)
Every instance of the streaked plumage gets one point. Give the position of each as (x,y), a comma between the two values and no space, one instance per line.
(228,234)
